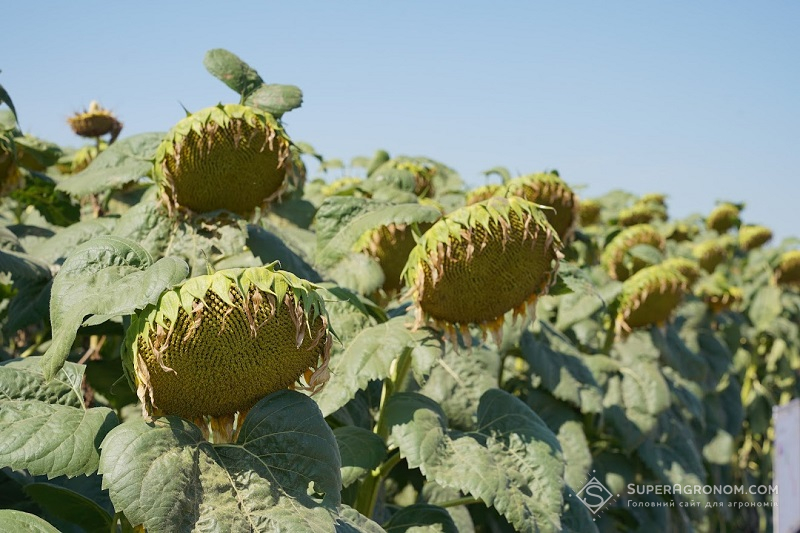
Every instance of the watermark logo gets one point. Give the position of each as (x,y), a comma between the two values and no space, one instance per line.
(594,495)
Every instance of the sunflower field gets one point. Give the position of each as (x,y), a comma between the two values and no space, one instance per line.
(197,336)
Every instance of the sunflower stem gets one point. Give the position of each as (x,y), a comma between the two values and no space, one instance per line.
(370,487)
(466,500)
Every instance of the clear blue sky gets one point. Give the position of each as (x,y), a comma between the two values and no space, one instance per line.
(699,100)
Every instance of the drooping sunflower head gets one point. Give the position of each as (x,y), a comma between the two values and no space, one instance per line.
(788,269)
(548,189)
(390,246)
(682,232)
(752,237)
(230,157)
(649,298)
(617,260)
(641,213)
(589,212)
(95,122)
(711,253)
(653,198)
(217,344)
(484,192)
(718,293)
(481,261)
(723,217)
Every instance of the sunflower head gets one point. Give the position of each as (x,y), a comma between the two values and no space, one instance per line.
(619,264)
(752,237)
(723,217)
(484,192)
(230,157)
(641,213)
(481,261)
(548,189)
(95,122)
(589,212)
(718,294)
(788,269)
(649,298)
(217,344)
(711,253)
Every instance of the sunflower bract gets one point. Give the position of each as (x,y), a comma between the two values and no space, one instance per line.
(230,157)
(481,261)
(217,344)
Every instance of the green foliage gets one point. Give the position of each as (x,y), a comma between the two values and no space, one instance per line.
(124,161)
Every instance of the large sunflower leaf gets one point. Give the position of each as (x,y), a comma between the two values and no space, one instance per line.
(12,520)
(674,458)
(361,450)
(459,380)
(232,71)
(105,277)
(566,423)
(57,247)
(269,247)
(70,506)
(164,475)
(513,462)
(369,356)
(124,161)
(48,430)
(421,518)
(23,268)
(562,370)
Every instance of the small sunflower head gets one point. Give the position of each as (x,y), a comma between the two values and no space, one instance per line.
(653,198)
(548,189)
(589,212)
(484,192)
(711,253)
(649,298)
(390,246)
(682,232)
(640,213)
(788,269)
(217,344)
(619,264)
(230,157)
(723,217)
(718,294)
(95,122)
(481,261)
(752,237)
